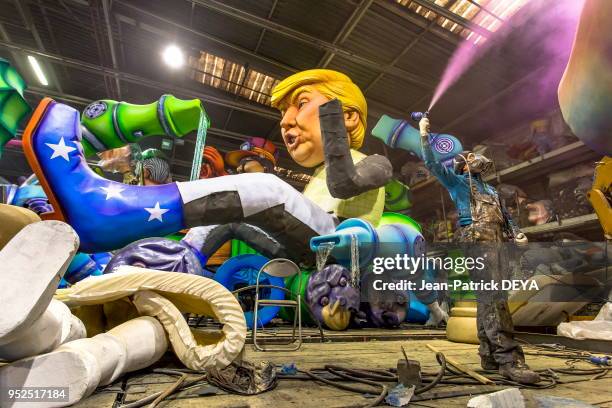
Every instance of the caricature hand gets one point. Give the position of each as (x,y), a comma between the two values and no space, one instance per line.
(424,127)
(520,239)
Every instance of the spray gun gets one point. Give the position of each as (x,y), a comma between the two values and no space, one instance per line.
(417,116)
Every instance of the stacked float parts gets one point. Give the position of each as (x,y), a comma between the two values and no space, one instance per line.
(31,266)
(49,344)
(97,208)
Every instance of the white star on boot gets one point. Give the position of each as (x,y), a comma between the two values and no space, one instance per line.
(113,191)
(60,149)
(156,212)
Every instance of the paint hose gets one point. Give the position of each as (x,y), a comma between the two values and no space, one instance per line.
(175,387)
(371,377)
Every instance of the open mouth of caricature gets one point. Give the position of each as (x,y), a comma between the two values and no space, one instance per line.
(292,141)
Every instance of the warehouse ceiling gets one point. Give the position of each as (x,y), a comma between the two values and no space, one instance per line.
(395,50)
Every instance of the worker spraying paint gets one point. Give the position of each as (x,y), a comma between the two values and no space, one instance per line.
(483,222)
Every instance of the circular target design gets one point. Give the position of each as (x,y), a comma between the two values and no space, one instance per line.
(95,109)
(444,144)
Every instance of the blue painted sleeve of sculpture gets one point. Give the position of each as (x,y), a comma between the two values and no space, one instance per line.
(447,177)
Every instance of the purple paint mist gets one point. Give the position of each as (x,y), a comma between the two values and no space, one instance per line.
(549,22)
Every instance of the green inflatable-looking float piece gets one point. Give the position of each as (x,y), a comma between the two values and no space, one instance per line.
(291,283)
(109,124)
(13,106)
(395,218)
(397,196)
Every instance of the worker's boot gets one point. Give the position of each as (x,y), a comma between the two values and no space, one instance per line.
(519,372)
(488,363)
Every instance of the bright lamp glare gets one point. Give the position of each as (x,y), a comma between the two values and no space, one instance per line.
(38,70)
(173,57)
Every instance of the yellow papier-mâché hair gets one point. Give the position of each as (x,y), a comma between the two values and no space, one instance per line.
(331,84)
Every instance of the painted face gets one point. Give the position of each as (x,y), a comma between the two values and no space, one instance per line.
(301,129)
(330,297)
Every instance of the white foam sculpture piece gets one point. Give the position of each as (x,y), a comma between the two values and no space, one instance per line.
(44,340)
(47,344)
(31,266)
(83,365)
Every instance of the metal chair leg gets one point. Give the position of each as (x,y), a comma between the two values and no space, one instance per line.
(255,310)
(299,313)
(295,322)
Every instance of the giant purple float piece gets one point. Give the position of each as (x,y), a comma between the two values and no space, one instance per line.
(161,254)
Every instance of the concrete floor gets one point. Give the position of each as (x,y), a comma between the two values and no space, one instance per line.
(354,349)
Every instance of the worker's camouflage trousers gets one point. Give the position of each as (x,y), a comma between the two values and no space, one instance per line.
(495,328)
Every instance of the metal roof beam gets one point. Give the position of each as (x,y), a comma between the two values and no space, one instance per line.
(487,102)
(486,10)
(263,30)
(270,25)
(246,66)
(372,103)
(197,33)
(111,42)
(346,30)
(24,10)
(421,22)
(410,45)
(403,52)
(441,11)
(147,82)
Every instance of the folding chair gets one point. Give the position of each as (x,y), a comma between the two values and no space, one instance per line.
(282,268)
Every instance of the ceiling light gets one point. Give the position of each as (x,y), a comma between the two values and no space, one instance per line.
(38,70)
(173,57)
